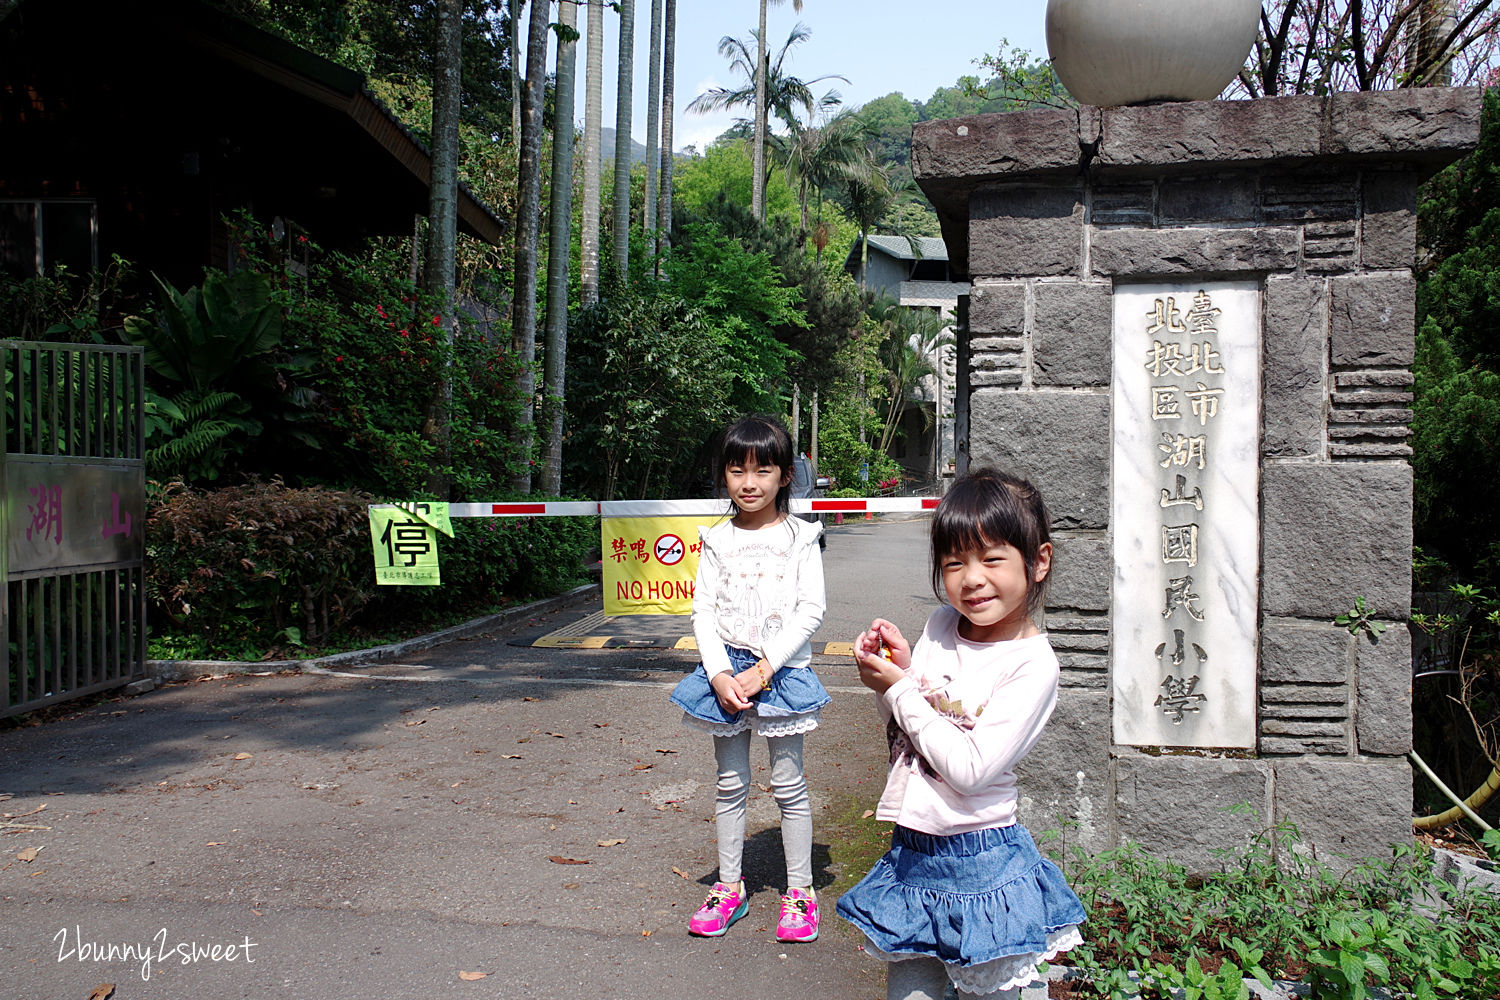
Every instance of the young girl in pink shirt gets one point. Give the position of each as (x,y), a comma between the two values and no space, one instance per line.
(963,894)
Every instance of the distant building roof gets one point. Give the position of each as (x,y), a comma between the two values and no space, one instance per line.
(900,247)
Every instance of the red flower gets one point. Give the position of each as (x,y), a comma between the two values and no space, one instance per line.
(302,239)
(381,310)
(338,358)
(437,321)
(404,334)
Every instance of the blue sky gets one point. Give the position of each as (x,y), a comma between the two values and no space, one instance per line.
(879,45)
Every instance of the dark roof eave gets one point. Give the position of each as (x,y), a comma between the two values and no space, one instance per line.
(344,90)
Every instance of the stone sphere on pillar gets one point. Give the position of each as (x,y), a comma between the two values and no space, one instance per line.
(1113,52)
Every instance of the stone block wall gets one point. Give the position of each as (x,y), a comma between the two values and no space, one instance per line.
(1315,200)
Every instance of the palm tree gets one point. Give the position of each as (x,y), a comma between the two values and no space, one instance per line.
(653,125)
(785,94)
(668,99)
(623,109)
(913,336)
(822,155)
(588,264)
(762,87)
(528,226)
(514,9)
(439,267)
(869,199)
(560,220)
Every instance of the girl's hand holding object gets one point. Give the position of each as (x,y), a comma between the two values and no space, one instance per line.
(883,655)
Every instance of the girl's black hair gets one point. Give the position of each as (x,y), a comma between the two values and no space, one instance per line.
(987,507)
(757,440)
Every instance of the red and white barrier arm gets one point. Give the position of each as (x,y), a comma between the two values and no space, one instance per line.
(681,508)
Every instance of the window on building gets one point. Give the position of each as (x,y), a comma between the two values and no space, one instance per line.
(38,236)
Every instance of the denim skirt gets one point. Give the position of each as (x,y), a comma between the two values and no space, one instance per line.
(794,691)
(965,899)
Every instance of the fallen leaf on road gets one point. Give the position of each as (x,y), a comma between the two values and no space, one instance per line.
(102,992)
(570,885)
(601,725)
(764,788)
(242,756)
(611,843)
(558,859)
(524,739)
(643,767)
(216,843)
(645,933)
(511,756)
(679,871)
(33,812)
(456,783)
(417,722)
(529,699)
(867,814)
(558,735)
(660,750)
(473,977)
(29,855)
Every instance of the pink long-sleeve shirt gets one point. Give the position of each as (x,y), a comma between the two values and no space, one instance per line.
(958,722)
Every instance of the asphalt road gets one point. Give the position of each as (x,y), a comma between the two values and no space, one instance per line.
(380,832)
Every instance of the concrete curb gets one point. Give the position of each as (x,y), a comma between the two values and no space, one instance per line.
(164,671)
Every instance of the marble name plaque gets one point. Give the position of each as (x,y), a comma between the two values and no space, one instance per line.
(1185,513)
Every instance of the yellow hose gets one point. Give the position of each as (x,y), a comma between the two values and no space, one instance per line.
(1467,807)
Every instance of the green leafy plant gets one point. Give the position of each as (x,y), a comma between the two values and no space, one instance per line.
(1491,841)
(198,337)
(1360,618)
(217,371)
(1271,911)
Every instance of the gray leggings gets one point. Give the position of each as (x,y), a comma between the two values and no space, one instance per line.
(790,788)
(926,979)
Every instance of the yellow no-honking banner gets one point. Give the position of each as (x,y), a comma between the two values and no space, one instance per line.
(650,563)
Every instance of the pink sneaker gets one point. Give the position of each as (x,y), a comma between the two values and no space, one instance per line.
(725,904)
(799,916)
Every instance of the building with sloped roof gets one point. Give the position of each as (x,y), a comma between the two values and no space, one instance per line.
(915,272)
(134,128)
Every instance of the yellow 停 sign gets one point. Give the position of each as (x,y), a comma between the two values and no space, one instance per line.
(405,543)
(650,563)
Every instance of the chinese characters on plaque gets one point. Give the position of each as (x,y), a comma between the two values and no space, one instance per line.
(1185,513)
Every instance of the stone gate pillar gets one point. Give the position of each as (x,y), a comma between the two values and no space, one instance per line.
(1192,325)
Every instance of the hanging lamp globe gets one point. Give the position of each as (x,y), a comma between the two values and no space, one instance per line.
(1112,52)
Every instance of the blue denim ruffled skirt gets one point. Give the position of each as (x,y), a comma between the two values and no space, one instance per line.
(795,691)
(966,899)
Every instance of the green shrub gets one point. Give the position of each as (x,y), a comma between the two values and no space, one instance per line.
(246,567)
(243,571)
(490,562)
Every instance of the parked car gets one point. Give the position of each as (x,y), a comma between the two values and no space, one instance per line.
(806,483)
